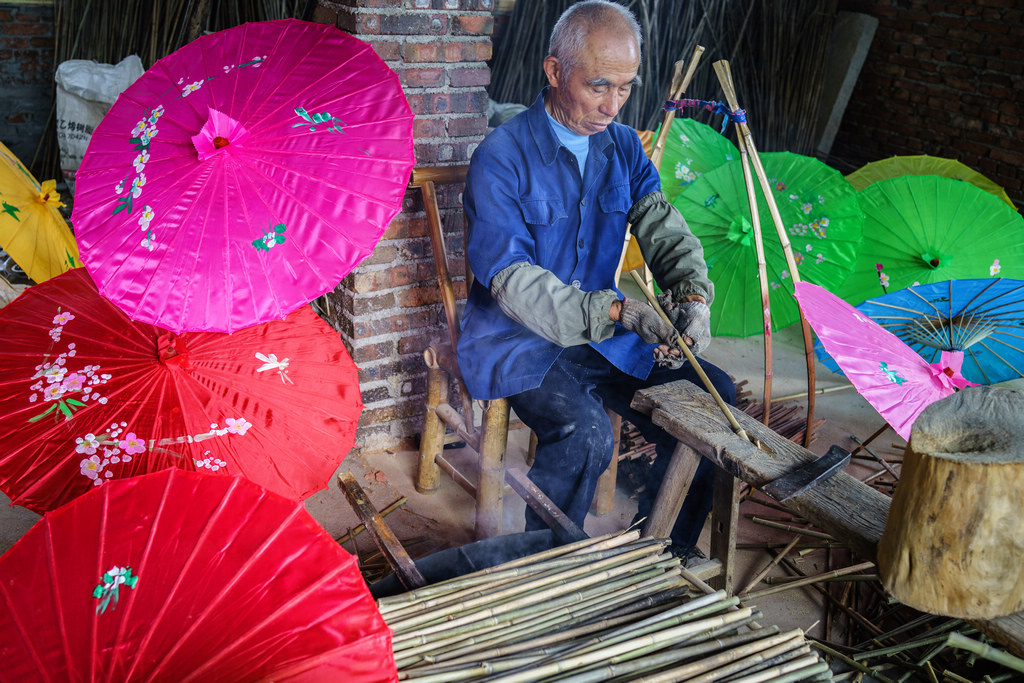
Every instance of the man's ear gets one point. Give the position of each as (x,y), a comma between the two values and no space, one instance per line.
(553,70)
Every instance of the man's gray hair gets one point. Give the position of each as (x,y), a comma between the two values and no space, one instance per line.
(581,19)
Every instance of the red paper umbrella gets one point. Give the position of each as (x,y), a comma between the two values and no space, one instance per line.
(185,576)
(89,395)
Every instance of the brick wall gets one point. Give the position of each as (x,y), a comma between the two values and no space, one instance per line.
(26,74)
(389,308)
(945,78)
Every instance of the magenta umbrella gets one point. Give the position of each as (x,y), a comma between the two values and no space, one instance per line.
(243,175)
(894,379)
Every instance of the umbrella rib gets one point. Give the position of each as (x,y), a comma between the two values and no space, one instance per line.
(100,545)
(27,640)
(996,354)
(295,597)
(172,590)
(58,603)
(225,589)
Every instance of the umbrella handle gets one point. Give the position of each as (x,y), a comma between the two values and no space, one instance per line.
(653,300)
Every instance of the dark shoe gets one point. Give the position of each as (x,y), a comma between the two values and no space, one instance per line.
(688,557)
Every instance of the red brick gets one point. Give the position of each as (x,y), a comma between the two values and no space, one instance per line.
(464,126)
(473,25)
(27,29)
(371,305)
(414,24)
(359,23)
(418,296)
(387,49)
(374,372)
(428,127)
(468,77)
(325,15)
(429,77)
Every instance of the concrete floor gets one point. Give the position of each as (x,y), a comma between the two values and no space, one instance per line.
(428,523)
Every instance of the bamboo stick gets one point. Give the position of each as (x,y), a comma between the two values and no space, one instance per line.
(743,132)
(653,300)
(767,568)
(663,639)
(804,581)
(794,529)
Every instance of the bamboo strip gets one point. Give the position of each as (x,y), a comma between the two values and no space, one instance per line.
(532,575)
(795,642)
(804,581)
(596,543)
(402,640)
(547,591)
(664,639)
(761,574)
(795,529)
(797,670)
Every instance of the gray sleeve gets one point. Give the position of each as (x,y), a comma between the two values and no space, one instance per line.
(672,251)
(536,299)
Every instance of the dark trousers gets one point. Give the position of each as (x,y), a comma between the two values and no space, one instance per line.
(575,439)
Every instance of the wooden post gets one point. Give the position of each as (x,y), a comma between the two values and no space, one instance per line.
(490,492)
(954,540)
(674,486)
(432,438)
(604,499)
(725,513)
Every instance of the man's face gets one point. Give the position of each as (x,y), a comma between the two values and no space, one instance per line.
(598,85)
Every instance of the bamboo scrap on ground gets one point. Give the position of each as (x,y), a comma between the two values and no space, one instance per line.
(617,606)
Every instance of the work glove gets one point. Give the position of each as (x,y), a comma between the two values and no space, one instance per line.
(691,318)
(646,322)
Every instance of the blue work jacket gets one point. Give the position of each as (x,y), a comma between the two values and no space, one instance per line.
(525,202)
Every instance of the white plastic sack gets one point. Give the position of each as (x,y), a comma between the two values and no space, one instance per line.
(85,91)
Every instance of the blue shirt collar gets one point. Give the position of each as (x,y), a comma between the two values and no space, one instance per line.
(544,136)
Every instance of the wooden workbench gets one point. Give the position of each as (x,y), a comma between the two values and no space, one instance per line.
(843,506)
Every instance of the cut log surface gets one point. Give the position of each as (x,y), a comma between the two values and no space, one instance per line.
(954,539)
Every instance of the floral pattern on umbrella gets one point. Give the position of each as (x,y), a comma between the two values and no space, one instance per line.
(91,396)
(243,176)
(823,220)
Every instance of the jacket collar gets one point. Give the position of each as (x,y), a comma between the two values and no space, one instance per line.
(545,138)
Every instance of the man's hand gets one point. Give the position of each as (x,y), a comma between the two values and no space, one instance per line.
(693,320)
(645,321)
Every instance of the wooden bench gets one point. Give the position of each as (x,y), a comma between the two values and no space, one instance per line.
(843,506)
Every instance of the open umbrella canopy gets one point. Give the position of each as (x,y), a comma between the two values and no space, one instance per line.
(821,215)
(89,396)
(983,318)
(243,175)
(692,148)
(923,164)
(894,379)
(32,231)
(923,229)
(184,576)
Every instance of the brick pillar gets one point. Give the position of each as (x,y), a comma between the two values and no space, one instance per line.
(26,75)
(389,308)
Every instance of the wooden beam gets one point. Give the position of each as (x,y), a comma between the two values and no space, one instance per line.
(405,569)
(566,531)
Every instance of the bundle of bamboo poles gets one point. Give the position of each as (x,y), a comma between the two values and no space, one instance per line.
(609,608)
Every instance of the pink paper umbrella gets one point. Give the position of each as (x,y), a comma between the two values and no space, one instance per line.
(243,175)
(893,378)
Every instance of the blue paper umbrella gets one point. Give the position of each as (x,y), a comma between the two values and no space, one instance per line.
(982,317)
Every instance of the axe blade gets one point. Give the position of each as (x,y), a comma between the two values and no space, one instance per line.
(808,475)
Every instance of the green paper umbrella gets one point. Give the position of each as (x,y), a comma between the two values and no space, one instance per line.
(922,229)
(692,148)
(822,216)
(922,164)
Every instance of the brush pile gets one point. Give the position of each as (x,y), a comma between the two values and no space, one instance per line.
(609,608)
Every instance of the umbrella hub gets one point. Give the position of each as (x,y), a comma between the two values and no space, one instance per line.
(741,231)
(934,260)
(172,351)
(220,132)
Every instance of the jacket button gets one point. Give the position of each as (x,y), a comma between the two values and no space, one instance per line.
(577,284)
(580,243)
(583,202)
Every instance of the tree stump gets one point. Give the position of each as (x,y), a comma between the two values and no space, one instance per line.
(954,539)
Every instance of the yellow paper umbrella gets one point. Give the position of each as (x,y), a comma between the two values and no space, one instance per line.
(32,231)
(922,164)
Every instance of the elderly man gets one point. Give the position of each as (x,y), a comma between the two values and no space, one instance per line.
(548,198)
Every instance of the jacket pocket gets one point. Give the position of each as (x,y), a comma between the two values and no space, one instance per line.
(615,199)
(543,211)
